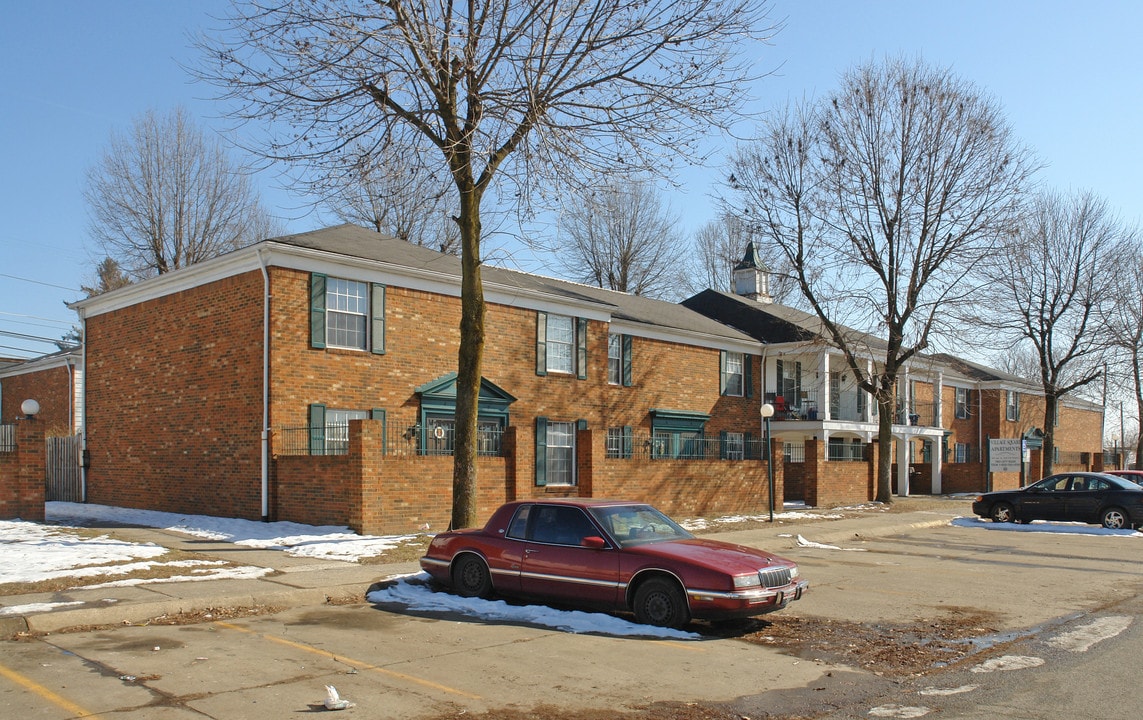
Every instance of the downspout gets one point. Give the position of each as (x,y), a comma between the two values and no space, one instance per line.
(265,389)
(83,462)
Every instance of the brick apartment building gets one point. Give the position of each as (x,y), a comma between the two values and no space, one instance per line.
(311,378)
(55,381)
(948,408)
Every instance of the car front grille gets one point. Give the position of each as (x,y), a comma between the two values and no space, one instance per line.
(775,577)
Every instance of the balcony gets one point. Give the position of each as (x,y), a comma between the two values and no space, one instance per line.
(847,406)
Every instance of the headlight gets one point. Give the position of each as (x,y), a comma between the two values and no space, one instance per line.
(795,572)
(745,581)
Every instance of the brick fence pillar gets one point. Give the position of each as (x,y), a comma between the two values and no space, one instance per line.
(25,495)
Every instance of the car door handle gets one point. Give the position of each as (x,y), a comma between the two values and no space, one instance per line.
(529,551)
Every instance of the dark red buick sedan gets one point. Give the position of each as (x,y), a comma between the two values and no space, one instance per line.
(612,555)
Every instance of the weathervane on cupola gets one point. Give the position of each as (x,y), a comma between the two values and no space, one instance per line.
(752,277)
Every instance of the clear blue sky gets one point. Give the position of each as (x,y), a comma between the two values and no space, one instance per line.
(1069,78)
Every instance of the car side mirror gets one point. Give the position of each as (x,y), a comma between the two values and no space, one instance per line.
(594,542)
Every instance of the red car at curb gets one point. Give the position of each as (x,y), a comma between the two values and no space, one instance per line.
(612,555)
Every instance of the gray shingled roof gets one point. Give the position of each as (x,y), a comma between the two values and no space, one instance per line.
(359,242)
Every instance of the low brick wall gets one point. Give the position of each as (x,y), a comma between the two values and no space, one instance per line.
(22,474)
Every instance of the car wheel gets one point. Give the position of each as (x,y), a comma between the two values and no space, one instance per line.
(470,577)
(660,602)
(1002,512)
(1114,519)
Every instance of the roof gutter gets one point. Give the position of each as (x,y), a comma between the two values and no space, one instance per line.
(265,388)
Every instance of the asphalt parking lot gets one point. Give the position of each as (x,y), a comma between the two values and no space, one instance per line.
(394,664)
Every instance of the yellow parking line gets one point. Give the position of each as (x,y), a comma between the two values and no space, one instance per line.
(29,684)
(349,661)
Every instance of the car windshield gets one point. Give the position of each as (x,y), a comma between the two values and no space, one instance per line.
(632,525)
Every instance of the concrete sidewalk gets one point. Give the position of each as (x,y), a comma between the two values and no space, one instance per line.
(298,581)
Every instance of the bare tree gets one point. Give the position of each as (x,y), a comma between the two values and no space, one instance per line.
(720,245)
(1044,292)
(398,198)
(524,92)
(621,237)
(882,197)
(1123,320)
(166,196)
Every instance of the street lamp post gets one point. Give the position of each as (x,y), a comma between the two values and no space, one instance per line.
(767,411)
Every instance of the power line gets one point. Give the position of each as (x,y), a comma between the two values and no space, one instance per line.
(38,282)
(22,336)
(35,317)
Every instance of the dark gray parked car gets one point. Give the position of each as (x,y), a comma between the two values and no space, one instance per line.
(1113,502)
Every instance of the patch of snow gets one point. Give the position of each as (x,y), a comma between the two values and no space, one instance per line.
(899,711)
(802,542)
(415,593)
(1084,637)
(1008,662)
(36,607)
(1043,526)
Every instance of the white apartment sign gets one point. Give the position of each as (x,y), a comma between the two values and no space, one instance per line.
(1005,454)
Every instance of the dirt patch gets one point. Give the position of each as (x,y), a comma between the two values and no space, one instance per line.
(886,650)
(411,549)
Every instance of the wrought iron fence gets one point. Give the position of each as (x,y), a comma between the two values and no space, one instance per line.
(794,452)
(396,441)
(7,438)
(845,452)
(692,446)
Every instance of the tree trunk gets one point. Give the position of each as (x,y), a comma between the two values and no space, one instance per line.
(469,359)
(884,484)
(1048,452)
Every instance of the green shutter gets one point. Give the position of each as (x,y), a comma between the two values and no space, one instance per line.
(317,429)
(317,310)
(626,360)
(581,348)
(721,444)
(747,375)
(581,424)
(541,343)
(377,306)
(747,439)
(721,372)
(541,451)
(627,441)
(380,414)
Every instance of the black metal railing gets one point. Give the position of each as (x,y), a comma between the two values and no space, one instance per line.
(7,438)
(396,441)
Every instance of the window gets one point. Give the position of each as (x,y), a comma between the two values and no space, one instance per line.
(329,428)
(561,345)
(735,446)
(734,375)
(619,359)
(677,433)
(961,453)
(619,442)
(555,452)
(439,436)
(346,314)
(561,342)
(789,374)
(1012,405)
(961,403)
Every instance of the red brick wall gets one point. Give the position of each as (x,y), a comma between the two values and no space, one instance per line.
(22,474)
(174,401)
(837,483)
(51,388)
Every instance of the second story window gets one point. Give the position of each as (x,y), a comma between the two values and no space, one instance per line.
(961,403)
(561,345)
(346,309)
(1012,405)
(733,373)
(346,314)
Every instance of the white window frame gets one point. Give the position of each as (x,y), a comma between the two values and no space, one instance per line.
(735,446)
(560,449)
(560,344)
(735,379)
(961,403)
(1011,405)
(337,429)
(346,314)
(614,359)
